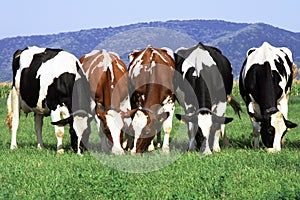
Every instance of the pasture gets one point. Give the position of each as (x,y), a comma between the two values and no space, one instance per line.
(237,172)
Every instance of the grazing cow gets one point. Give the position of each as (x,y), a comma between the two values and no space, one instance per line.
(43,81)
(151,83)
(203,88)
(265,84)
(101,90)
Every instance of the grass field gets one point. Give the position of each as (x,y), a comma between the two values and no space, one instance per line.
(237,172)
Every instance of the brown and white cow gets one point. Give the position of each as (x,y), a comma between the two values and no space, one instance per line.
(106,77)
(151,84)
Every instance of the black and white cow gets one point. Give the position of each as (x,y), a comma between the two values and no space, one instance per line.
(43,81)
(265,84)
(203,90)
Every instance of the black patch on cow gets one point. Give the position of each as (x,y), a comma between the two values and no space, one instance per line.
(60,92)
(29,83)
(259,82)
(214,83)
(16,64)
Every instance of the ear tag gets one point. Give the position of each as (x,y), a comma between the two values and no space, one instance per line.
(182,122)
(288,129)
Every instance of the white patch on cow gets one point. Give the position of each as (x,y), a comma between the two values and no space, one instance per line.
(205,123)
(282,105)
(80,124)
(268,53)
(63,62)
(168,106)
(277,121)
(253,107)
(56,116)
(115,124)
(219,108)
(139,122)
(197,59)
(169,52)
(135,67)
(106,63)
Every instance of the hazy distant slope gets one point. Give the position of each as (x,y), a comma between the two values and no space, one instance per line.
(233,39)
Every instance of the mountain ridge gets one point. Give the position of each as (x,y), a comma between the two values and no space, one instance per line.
(233,39)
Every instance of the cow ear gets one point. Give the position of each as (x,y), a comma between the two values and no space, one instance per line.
(290,124)
(186,118)
(222,120)
(183,118)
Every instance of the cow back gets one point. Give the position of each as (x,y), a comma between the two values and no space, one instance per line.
(107,75)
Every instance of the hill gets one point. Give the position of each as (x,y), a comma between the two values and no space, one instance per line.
(233,39)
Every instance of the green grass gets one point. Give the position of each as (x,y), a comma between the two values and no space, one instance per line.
(238,172)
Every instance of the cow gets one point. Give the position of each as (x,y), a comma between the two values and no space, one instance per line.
(152,98)
(101,93)
(43,81)
(203,87)
(265,84)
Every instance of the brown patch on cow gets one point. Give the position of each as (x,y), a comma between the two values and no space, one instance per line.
(8,121)
(59,134)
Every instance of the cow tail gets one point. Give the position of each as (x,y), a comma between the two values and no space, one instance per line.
(63,122)
(8,119)
(235,105)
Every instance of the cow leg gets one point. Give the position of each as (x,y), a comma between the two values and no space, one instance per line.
(192,134)
(216,144)
(59,131)
(205,123)
(225,140)
(38,125)
(13,115)
(151,146)
(256,134)
(167,126)
(103,139)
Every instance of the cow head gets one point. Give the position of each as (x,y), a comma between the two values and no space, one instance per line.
(113,120)
(145,125)
(273,128)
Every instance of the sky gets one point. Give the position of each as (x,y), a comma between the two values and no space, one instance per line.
(36,17)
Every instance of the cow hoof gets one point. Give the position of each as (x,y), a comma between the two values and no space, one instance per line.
(206,152)
(272,150)
(166,149)
(60,151)
(117,151)
(158,145)
(217,149)
(13,147)
(39,146)
(151,148)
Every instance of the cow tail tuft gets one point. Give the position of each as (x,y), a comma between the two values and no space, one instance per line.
(235,105)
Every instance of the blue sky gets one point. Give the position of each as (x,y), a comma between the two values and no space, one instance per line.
(36,17)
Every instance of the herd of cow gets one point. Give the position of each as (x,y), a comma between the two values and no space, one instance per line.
(131,105)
